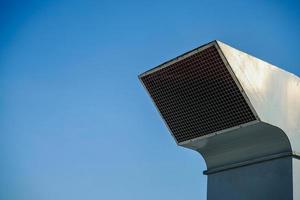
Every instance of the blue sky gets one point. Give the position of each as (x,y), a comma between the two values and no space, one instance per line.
(75,123)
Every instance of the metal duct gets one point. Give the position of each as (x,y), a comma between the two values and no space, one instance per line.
(240,113)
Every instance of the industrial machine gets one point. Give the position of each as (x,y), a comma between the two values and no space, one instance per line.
(240,113)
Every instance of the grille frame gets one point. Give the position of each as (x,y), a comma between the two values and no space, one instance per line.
(233,76)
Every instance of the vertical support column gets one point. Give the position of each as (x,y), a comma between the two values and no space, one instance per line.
(266,180)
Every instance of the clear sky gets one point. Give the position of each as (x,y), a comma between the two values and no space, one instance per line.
(75,123)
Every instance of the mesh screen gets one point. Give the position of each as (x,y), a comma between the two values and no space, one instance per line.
(197,96)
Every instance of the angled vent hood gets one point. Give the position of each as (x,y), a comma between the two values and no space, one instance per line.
(235,110)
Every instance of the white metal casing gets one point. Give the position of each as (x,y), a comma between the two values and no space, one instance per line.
(273,92)
(273,96)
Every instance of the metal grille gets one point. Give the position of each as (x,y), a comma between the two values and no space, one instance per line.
(197,96)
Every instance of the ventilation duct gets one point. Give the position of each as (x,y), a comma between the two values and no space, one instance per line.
(240,113)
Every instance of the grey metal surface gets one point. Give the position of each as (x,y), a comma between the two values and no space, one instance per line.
(270,180)
(240,145)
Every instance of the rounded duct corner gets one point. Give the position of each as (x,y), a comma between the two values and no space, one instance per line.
(243,145)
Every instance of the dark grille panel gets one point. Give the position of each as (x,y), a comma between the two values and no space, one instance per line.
(197,96)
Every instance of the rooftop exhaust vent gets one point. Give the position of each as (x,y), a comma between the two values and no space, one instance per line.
(240,113)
